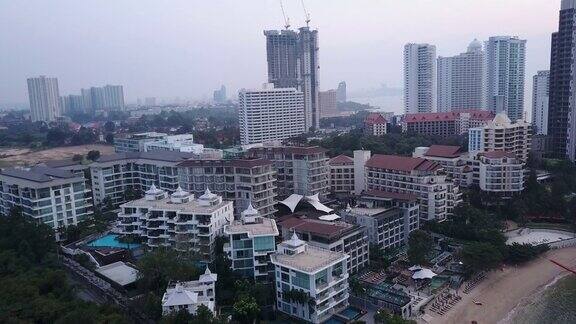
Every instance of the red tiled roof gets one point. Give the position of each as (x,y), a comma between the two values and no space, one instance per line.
(291,149)
(375,118)
(497,154)
(475,114)
(316,227)
(391,195)
(445,151)
(401,163)
(341,160)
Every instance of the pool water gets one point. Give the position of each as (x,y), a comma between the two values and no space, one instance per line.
(111,241)
(334,320)
(350,313)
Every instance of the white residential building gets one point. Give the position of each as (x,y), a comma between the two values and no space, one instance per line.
(319,273)
(506,61)
(178,220)
(419,78)
(540,91)
(44,99)
(361,157)
(341,174)
(270,114)
(136,142)
(499,172)
(54,197)
(189,295)
(252,240)
(427,180)
(183,143)
(502,135)
(461,80)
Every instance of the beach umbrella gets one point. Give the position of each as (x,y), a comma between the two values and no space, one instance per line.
(424,274)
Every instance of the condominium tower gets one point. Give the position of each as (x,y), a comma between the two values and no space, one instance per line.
(506,60)
(540,97)
(293,63)
(562,109)
(270,114)
(419,78)
(44,99)
(110,97)
(461,80)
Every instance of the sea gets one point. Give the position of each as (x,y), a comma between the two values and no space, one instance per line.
(383,103)
(553,304)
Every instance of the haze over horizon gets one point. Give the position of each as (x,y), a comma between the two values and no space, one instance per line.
(189,48)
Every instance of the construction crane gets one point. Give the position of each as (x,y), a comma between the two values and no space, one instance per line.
(306,14)
(286,19)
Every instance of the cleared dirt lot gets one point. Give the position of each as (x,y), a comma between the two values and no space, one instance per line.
(18,156)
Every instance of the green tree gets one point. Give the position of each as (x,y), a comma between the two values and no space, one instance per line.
(383,316)
(246,309)
(420,245)
(93,155)
(478,256)
(159,267)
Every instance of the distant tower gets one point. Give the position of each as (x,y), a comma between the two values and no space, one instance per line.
(44,99)
(419,78)
(540,97)
(341,92)
(461,78)
(506,60)
(293,63)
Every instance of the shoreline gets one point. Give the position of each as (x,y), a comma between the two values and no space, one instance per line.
(502,292)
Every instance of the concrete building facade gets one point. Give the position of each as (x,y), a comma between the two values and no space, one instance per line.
(420,87)
(44,99)
(540,99)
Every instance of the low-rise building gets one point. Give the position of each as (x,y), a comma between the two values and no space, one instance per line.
(501,134)
(341,174)
(330,232)
(189,295)
(252,240)
(178,220)
(427,180)
(183,143)
(299,170)
(499,172)
(57,198)
(135,142)
(244,181)
(452,159)
(375,124)
(445,123)
(320,274)
(388,217)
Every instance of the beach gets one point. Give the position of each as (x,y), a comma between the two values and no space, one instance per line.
(503,290)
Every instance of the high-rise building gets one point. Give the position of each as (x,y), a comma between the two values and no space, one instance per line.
(505,66)
(328,103)
(108,97)
(270,114)
(44,99)
(419,78)
(71,104)
(219,96)
(540,90)
(562,108)
(341,92)
(293,63)
(461,80)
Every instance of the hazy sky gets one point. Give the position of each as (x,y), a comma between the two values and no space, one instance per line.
(187,48)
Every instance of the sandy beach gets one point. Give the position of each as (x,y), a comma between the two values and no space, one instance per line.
(502,291)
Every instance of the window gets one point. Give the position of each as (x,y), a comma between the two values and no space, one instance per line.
(301,280)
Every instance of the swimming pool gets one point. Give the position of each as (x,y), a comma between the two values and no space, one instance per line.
(334,320)
(350,313)
(111,241)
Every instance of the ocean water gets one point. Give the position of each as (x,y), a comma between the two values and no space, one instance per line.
(555,304)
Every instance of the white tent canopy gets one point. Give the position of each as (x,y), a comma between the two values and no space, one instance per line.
(415,268)
(315,201)
(424,274)
(292,201)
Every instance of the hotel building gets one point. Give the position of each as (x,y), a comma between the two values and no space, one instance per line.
(375,125)
(453,123)
(341,174)
(319,273)
(189,295)
(177,220)
(252,240)
(57,198)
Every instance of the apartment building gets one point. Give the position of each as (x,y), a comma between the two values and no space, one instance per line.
(189,295)
(330,232)
(452,159)
(57,198)
(252,240)
(177,220)
(375,124)
(136,142)
(445,123)
(387,217)
(499,172)
(425,179)
(502,135)
(299,170)
(420,87)
(244,181)
(113,175)
(323,274)
(341,174)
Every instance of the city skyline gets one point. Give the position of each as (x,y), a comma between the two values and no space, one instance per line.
(167,38)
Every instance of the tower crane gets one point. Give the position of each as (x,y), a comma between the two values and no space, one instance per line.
(286,19)
(306,14)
